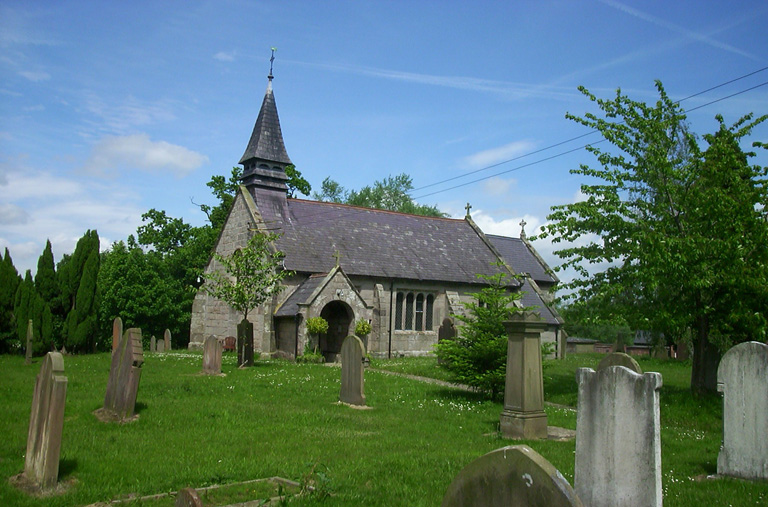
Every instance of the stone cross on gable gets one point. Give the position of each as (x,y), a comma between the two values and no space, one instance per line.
(468,207)
(337,255)
(523,223)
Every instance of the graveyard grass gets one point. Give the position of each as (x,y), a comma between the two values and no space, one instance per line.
(281,419)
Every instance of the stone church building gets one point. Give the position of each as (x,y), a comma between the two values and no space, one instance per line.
(407,275)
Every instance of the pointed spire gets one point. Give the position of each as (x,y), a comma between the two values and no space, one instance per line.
(265,155)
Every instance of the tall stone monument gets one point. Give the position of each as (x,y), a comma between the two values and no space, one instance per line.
(618,449)
(742,377)
(515,475)
(352,352)
(46,423)
(124,376)
(523,415)
(212,356)
(117,333)
(28,353)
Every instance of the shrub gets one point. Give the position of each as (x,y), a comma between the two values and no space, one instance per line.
(362,328)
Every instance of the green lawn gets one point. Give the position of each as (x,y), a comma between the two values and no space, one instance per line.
(281,419)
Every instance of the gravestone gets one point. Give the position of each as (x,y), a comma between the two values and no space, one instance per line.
(212,356)
(352,352)
(618,450)
(245,343)
(124,376)
(620,359)
(117,333)
(523,415)
(153,344)
(160,346)
(682,352)
(188,497)
(742,377)
(28,355)
(446,331)
(46,423)
(515,475)
(167,340)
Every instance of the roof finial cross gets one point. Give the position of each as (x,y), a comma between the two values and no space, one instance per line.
(271,60)
(523,223)
(337,255)
(468,207)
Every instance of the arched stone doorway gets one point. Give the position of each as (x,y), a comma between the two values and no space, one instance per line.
(340,317)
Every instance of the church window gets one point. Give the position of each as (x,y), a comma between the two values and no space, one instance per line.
(409,311)
(419,312)
(428,315)
(399,311)
(414,311)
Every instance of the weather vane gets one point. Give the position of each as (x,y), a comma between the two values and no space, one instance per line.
(272,59)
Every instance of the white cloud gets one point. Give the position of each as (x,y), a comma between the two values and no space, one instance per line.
(500,154)
(498,186)
(128,114)
(224,56)
(35,76)
(12,214)
(140,152)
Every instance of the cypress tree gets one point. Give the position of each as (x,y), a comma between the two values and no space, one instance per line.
(22,309)
(9,284)
(45,278)
(81,324)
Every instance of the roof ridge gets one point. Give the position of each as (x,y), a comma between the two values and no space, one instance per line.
(364,208)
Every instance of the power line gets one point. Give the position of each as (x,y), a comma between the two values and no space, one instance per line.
(497,164)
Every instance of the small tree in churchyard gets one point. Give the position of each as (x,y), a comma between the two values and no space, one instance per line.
(251,276)
(477,357)
(315,327)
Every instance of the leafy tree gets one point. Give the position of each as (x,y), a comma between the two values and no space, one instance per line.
(250,275)
(9,283)
(478,355)
(681,232)
(135,287)
(391,193)
(296,181)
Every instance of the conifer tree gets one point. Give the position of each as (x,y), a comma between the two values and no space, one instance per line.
(45,278)
(9,283)
(82,272)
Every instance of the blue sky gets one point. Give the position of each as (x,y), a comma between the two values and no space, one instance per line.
(108,109)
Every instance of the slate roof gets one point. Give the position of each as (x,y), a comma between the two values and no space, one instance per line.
(531,299)
(291,305)
(518,255)
(267,138)
(377,243)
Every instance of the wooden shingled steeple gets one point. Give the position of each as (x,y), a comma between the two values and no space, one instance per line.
(265,158)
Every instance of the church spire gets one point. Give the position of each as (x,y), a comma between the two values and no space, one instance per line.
(265,157)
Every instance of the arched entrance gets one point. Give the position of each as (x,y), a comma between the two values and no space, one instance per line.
(339,317)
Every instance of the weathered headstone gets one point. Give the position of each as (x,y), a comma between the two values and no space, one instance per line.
(446,331)
(245,343)
(352,352)
(742,377)
(46,423)
(618,450)
(515,475)
(124,375)
(167,340)
(160,346)
(117,333)
(212,356)
(28,355)
(523,415)
(620,359)
(682,352)
(188,497)
(153,344)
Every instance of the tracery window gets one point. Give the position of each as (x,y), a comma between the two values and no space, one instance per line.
(414,311)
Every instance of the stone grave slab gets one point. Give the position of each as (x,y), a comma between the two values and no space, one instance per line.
(620,359)
(352,352)
(515,475)
(167,340)
(742,377)
(153,344)
(46,423)
(117,333)
(618,449)
(124,376)
(212,356)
